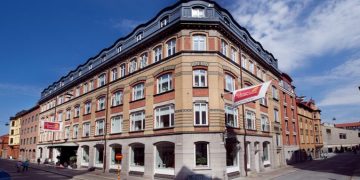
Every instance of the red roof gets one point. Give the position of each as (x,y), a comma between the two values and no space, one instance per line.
(352,124)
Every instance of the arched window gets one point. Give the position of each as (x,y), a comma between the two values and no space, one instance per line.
(200,78)
(266,153)
(116,98)
(229,83)
(132,65)
(157,53)
(137,157)
(114,74)
(165,158)
(99,155)
(101,103)
(199,42)
(171,47)
(143,60)
(198,12)
(265,125)
(115,149)
(164,83)
(224,47)
(85,155)
(138,92)
(102,80)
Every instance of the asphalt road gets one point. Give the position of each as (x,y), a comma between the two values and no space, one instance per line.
(340,167)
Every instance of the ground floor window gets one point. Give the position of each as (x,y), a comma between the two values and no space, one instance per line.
(99,154)
(165,158)
(137,157)
(248,153)
(232,155)
(115,149)
(266,153)
(85,155)
(202,154)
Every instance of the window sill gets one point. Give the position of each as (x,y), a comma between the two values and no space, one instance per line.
(200,125)
(227,91)
(99,110)
(85,137)
(265,106)
(232,127)
(137,100)
(159,94)
(276,99)
(136,131)
(86,114)
(67,119)
(99,135)
(200,87)
(118,133)
(254,130)
(116,106)
(163,128)
(199,168)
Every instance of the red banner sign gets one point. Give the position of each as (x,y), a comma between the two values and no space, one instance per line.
(51,126)
(249,94)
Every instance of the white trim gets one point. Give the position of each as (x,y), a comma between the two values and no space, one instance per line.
(208,155)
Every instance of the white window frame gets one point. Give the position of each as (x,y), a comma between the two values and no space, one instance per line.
(143,60)
(99,124)
(229,110)
(115,129)
(132,65)
(199,42)
(77,91)
(85,88)
(84,162)
(164,22)
(137,116)
(171,47)
(138,88)
(67,132)
(251,67)
(101,103)
(88,107)
(114,74)
(252,116)
(233,54)
(91,85)
(164,79)
(266,162)
(75,131)
(157,53)
(117,98)
(243,61)
(275,93)
(198,12)
(276,115)
(122,70)
(207,156)
(199,73)
(229,83)
(86,129)
(203,106)
(167,110)
(132,166)
(77,111)
(265,124)
(224,47)
(68,114)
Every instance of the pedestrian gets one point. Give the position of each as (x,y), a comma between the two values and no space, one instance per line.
(38,161)
(18,165)
(25,165)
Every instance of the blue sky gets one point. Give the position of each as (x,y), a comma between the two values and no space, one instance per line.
(316,42)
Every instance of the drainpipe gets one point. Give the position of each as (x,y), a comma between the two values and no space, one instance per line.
(106,117)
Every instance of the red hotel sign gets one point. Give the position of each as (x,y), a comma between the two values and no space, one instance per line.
(249,94)
(52,126)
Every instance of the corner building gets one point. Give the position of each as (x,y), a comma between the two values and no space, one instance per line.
(161,97)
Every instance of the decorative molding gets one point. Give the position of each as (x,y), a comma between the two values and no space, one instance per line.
(141,78)
(166,68)
(199,63)
(216,110)
(183,110)
(183,73)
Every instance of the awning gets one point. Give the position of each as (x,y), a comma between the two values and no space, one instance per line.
(69,144)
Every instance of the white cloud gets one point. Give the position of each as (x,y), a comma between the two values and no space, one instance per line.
(297,31)
(348,95)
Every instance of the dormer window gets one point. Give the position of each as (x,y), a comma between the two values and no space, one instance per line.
(119,48)
(103,58)
(71,77)
(139,37)
(226,20)
(164,22)
(90,66)
(198,12)
(80,72)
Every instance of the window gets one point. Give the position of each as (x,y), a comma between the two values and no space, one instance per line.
(85,155)
(68,113)
(138,92)
(276,115)
(119,48)
(139,37)
(232,155)
(165,158)
(116,98)
(286,125)
(75,131)
(114,74)
(91,85)
(137,120)
(132,66)
(200,113)
(99,127)
(157,53)
(200,78)
(224,47)
(229,83)
(198,12)
(143,60)
(164,22)
(171,47)
(294,127)
(266,153)
(164,116)
(243,62)
(85,88)
(60,116)
(164,83)
(67,132)
(99,154)
(251,66)
(115,149)
(101,80)
(77,92)
(199,43)
(278,140)
(101,103)
(116,124)
(76,111)
(294,139)
(231,116)
(250,120)
(137,156)
(233,54)
(263,101)
(86,129)
(275,93)
(122,70)
(265,125)
(258,72)
(88,107)
(342,135)
(202,154)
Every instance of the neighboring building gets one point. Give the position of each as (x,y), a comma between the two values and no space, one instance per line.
(350,126)
(335,138)
(14,135)
(290,133)
(160,96)
(310,130)
(4,146)
(29,134)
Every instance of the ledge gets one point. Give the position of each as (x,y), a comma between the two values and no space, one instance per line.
(137,100)
(159,94)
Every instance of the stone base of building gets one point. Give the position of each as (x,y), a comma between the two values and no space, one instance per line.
(176,156)
(292,154)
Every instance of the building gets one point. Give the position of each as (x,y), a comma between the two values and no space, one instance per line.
(14,135)
(29,134)
(310,130)
(161,97)
(289,120)
(350,126)
(4,146)
(338,138)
